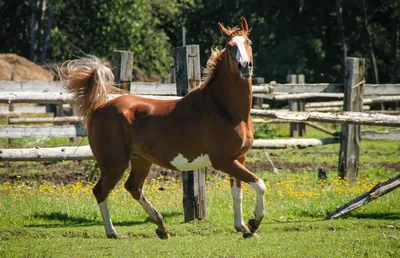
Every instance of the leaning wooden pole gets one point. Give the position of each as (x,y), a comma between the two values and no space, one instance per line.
(377,191)
(188,76)
(350,136)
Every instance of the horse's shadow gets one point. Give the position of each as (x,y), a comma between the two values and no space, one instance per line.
(66,220)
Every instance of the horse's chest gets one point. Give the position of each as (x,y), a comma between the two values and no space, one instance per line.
(245,134)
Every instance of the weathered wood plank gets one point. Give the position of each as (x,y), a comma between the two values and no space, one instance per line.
(298,88)
(170,89)
(342,117)
(84,152)
(12,131)
(376,192)
(35,97)
(331,109)
(56,97)
(368,101)
(307,96)
(10,114)
(65,119)
(33,86)
(25,109)
(370,89)
(286,143)
(47,154)
(147,88)
(381,135)
(381,89)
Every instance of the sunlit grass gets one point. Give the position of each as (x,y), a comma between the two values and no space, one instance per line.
(57,219)
(288,195)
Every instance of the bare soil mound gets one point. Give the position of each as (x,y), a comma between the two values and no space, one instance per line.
(22,68)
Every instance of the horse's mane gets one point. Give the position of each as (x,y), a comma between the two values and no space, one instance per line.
(216,56)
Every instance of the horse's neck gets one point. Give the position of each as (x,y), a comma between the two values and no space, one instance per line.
(234,93)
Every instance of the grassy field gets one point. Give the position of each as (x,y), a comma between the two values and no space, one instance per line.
(61,219)
(47,220)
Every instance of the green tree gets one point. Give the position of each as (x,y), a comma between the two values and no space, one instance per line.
(101,26)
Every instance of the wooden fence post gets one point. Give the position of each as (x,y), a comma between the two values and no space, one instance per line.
(257,102)
(188,76)
(122,64)
(296,105)
(350,135)
(301,106)
(11,108)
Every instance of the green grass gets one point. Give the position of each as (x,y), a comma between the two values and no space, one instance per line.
(47,220)
(44,219)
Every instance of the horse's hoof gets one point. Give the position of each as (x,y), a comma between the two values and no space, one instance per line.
(254,224)
(249,235)
(113,236)
(163,234)
(238,229)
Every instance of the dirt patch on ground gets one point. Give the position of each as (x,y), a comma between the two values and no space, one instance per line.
(18,68)
(72,171)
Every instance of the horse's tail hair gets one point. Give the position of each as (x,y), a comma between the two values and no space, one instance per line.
(89,81)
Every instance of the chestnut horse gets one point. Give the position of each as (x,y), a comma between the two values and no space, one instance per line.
(209,126)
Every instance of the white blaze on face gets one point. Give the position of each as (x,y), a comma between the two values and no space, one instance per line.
(241,54)
(182,164)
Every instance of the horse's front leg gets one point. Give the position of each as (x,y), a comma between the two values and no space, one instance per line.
(259,210)
(237,196)
(236,169)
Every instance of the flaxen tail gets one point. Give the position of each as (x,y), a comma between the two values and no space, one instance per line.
(89,81)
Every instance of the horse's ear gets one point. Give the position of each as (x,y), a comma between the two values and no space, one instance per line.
(244,24)
(224,32)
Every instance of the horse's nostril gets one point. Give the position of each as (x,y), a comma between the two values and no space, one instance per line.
(240,66)
(250,65)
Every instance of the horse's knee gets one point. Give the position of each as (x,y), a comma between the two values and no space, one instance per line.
(259,186)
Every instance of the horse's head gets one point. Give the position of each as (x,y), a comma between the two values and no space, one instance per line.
(239,47)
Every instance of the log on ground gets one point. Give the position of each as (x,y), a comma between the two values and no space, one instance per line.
(376,192)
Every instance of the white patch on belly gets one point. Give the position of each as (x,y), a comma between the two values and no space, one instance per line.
(182,164)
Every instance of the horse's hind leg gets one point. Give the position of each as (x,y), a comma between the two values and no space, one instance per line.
(140,168)
(111,171)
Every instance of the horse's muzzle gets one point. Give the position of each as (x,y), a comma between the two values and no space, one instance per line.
(245,69)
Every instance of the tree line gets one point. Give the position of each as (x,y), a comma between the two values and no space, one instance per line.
(304,36)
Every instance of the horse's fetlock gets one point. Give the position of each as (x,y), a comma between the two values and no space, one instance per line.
(254,223)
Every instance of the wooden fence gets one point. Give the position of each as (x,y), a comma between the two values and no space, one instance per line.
(187,77)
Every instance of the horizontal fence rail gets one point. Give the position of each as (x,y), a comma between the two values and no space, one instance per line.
(84,152)
(382,99)
(358,118)
(77,130)
(144,88)
(34,86)
(12,131)
(47,154)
